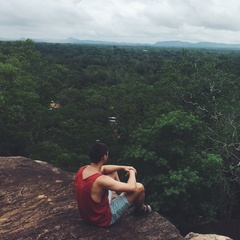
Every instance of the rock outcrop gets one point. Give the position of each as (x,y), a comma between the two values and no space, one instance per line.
(196,236)
(37,202)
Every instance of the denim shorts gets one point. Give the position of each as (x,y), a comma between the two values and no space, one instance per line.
(118,206)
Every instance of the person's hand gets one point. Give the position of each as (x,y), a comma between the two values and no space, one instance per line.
(127,169)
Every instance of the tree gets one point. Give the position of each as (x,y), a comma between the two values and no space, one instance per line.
(172,165)
(18,105)
(214,97)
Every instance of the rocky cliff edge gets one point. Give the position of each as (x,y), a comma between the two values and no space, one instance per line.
(37,202)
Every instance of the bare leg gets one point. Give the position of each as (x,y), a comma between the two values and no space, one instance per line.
(137,197)
(115,176)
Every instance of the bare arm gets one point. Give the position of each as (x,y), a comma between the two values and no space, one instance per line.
(132,178)
(107,169)
(111,184)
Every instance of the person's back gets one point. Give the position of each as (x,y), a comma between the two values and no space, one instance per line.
(90,210)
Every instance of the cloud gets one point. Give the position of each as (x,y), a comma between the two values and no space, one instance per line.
(122,20)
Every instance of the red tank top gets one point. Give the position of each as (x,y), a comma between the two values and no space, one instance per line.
(96,213)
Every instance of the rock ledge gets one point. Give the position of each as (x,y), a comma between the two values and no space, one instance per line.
(37,202)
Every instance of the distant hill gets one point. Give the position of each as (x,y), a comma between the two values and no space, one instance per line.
(77,41)
(179,44)
(164,44)
(168,44)
(94,42)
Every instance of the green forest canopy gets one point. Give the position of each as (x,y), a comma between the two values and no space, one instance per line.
(174,114)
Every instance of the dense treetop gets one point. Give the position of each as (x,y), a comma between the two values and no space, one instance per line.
(172,113)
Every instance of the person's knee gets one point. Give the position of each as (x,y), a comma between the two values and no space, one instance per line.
(137,194)
(139,188)
(113,175)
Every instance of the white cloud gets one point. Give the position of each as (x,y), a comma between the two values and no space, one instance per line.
(122,20)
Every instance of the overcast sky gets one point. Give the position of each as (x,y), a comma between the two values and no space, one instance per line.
(138,21)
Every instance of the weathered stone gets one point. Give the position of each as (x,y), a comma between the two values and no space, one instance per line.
(37,202)
(196,236)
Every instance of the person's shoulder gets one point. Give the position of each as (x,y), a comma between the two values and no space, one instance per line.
(103,179)
(79,172)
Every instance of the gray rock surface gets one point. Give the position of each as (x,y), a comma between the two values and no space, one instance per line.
(196,236)
(37,202)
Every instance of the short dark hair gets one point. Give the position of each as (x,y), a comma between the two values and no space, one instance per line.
(98,150)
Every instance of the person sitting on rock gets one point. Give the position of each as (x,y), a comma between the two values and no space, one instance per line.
(94,182)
